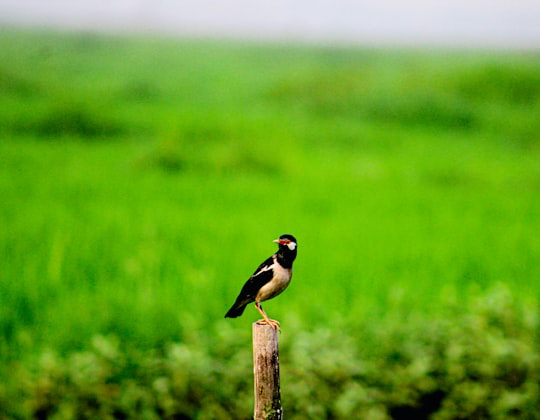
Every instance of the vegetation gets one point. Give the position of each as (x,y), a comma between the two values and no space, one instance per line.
(142,178)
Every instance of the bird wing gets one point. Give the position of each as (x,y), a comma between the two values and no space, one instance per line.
(262,275)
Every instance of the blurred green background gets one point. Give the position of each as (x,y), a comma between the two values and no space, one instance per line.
(143,179)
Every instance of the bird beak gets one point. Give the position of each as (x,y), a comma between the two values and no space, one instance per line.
(277,241)
(281,241)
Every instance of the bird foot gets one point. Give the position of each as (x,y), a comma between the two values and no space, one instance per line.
(272,322)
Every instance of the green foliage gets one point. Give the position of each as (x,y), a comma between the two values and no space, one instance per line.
(69,119)
(142,179)
(482,363)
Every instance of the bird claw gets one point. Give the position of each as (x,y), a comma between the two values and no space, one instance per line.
(272,322)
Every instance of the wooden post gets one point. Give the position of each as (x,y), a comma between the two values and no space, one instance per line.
(266,372)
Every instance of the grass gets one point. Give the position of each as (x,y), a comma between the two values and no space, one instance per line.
(142,179)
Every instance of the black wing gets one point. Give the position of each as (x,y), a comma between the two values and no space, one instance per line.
(262,275)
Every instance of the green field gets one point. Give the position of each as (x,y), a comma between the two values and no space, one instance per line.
(143,179)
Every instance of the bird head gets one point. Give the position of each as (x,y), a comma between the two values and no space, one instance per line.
(288,241)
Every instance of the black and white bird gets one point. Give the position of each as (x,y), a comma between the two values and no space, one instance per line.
(270,279)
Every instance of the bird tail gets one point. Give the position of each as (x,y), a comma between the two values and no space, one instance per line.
(236,310)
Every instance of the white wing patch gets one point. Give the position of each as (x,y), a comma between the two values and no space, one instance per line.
(265,268)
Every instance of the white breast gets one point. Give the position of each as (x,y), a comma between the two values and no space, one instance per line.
(280,281)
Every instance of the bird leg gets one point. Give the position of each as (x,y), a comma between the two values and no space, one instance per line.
(272,322)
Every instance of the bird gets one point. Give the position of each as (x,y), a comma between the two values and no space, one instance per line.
(269,279)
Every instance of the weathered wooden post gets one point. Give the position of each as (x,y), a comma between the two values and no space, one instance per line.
(266,372)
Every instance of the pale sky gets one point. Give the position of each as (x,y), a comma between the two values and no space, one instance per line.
(484,23)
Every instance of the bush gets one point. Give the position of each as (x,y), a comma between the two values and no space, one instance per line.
(483,363)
